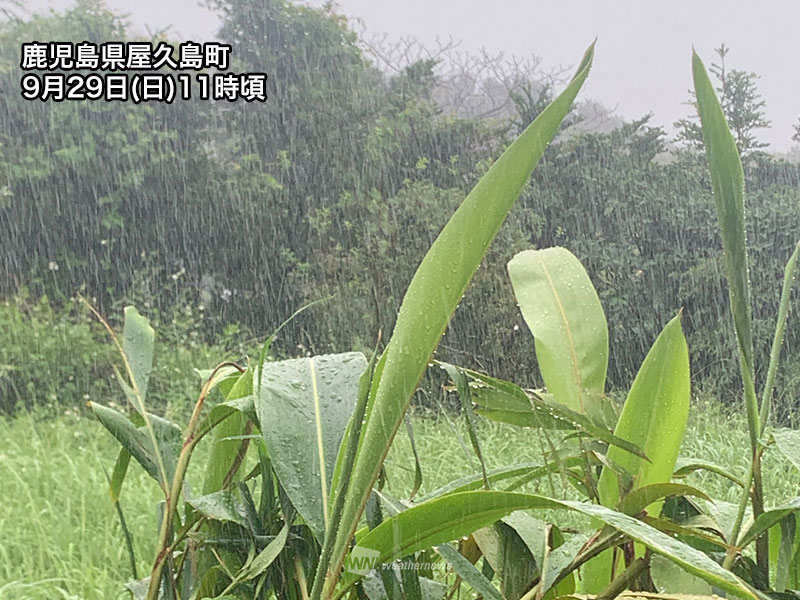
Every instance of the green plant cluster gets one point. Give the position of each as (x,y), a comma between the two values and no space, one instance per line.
(312,518)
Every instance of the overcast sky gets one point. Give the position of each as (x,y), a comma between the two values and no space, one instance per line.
(642,60)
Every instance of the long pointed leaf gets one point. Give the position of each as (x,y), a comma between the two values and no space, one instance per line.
(777,340)
(727,179)
(435,291)
(467,571)
(138,441)
(453,516)
(654,417)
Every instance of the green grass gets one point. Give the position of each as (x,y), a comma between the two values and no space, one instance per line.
(60,537)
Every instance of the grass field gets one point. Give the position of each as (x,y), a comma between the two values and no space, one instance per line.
(60,537)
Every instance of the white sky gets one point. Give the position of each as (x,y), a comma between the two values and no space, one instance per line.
(642,60)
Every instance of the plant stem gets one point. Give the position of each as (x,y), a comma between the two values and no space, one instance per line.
(754,472)
(620,583)
(163,547)
(347,467)
(733,550)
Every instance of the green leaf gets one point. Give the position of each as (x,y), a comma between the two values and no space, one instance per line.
(777,340)
(787,441)
(118,476)
(766,520)
(562,310)
(138,339)
(138,588)
(727,180)
(476,481)
(463,389)
(669,578)
(532,532)
(138,441)
(265,558)
(220,506)
(346,452)
(586,424)
(786,557)
(507,402)
(434,293)
(467,571)
(224,378)
(374,589)
(557,560)
(224,449)
(642,497)
(509,557)
(450,517)
(304,406)
(654,415)
(687,466)
(417,463)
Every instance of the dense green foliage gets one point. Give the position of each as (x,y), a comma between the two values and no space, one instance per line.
(338,184)
(74,549)
(302,521)
(275,484)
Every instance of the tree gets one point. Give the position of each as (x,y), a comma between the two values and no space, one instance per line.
(741,102)
(796,136)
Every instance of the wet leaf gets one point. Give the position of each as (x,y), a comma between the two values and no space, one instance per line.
(435,291)
(304,406)
(450,517)
(137,441)
(138,338)
(562,310)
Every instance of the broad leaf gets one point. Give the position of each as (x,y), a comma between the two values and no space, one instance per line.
(303,406)
(562,310)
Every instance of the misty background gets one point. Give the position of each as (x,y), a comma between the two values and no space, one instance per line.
(219,220)
(643,47)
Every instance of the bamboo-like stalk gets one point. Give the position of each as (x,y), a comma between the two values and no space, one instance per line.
(347,467)
(171,501)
